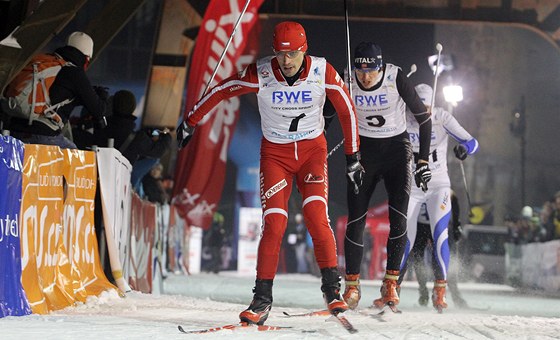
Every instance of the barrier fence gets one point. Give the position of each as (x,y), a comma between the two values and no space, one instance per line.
(49,255)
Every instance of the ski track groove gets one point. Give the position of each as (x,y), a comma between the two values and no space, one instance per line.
(537,335)
(455,333)
(495,327)
(481,332)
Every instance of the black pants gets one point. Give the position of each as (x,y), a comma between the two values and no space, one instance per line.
(386,159)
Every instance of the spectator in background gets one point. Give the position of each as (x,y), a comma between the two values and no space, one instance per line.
(71,88)
(153,187)
(300,244)
(83,131)
(214,240)
(528,227)
(310,257)
(556,217)
(554,226)
(168,183)
(531,221)
(545,220)
(142,148)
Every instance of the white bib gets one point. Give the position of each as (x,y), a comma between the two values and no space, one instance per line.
(291,113)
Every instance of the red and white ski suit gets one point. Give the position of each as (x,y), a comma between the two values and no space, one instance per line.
(293,144)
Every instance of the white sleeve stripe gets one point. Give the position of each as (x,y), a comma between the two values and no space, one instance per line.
(353,122)
(230,83)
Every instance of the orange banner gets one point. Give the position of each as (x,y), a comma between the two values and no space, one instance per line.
(46,271)
(58,244)
(80,172)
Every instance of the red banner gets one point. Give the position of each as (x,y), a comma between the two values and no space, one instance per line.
(201,167)
(143,227)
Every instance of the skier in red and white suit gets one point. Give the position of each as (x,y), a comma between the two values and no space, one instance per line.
(291,89)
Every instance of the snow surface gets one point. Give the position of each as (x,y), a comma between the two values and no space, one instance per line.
(209,300)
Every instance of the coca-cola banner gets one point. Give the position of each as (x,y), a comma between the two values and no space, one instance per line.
(200,168)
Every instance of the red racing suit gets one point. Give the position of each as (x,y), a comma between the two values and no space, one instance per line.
(293,144)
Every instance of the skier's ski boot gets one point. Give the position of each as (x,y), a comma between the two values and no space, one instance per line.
(331,291)
(258,310)
(424,296)
(352,291)
(438,295)
(389,296)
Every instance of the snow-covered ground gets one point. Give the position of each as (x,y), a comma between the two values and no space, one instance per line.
(208,300)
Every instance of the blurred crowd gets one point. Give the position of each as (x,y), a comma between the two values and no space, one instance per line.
(537,224)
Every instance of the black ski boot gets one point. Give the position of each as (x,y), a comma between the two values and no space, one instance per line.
(424,296)
(258,310)
(331,290)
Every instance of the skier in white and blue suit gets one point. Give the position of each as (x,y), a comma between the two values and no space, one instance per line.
(438,196)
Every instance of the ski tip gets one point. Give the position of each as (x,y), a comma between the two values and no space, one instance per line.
(286,314)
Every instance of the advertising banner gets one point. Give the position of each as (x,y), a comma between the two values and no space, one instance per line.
(46,274)
(80,172)
(12,297)
(143,225)
(114,179)
(250,225)
(200,175)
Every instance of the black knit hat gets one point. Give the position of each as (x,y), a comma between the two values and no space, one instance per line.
(124,103)
(368,55)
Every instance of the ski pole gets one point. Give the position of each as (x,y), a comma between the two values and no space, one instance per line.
(466,188)
(348,67)
(227,46)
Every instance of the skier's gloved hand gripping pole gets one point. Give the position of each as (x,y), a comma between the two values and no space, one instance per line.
(422,174)
(460,152)
(355,170)
(184,130)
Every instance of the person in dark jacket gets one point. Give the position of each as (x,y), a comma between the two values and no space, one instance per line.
(153,186)
(143,148)
(121,128)
(71,83)
(214,240)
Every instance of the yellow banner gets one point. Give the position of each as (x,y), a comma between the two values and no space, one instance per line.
(80,172)
(60,264)
(46,275)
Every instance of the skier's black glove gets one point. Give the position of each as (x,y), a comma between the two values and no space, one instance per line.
(355,170)
(422,175)
(460,151)
(457,232)
(184,134)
